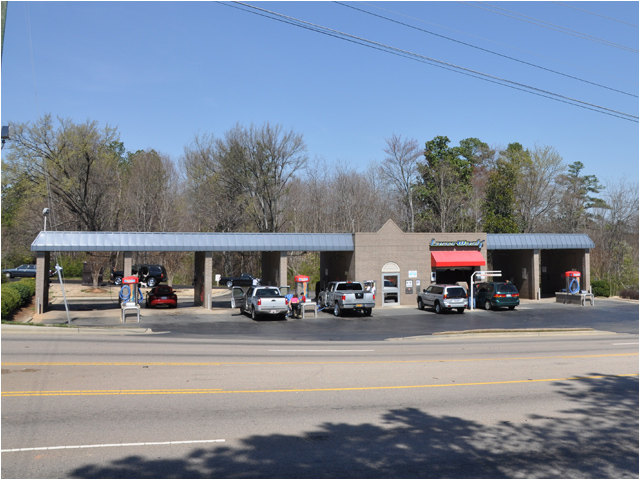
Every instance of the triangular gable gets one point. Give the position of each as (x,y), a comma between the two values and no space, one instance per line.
(390,227)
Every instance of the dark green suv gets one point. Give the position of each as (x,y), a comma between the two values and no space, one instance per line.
(493,295)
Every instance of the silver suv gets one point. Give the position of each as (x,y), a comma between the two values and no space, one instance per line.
(443,297)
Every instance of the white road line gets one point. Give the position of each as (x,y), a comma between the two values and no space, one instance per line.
(636,343)
(143,444)
(322,350)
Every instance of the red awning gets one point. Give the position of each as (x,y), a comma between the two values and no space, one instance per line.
(457,259)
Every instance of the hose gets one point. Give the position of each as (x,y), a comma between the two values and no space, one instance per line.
(574,282)
(125,296)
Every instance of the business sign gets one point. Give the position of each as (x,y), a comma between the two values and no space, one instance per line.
(457,243)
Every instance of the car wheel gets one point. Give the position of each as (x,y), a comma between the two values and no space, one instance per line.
(229,284)
(367,312)
(254,315)
(117,280)
(336,310)
(487,305)
(437,307)
(241,310)
(512,307)
(283,316)
(420,304)
(151,281)
(461,310)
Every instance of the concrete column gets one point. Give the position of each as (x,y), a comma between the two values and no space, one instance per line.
(274,268)
(42,282)
(198,275)
(585,279)
(535,275)
(127,264)
(208,279)
(282,269)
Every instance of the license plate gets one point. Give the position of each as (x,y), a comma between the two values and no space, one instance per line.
(509,295)
(273,311)
(359,305)
(163,298)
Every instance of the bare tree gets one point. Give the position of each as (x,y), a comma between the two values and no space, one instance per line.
(536,193)
(259,164)
(75,163)
(400,168)
(615,233)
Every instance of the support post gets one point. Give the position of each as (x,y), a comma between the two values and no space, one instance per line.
(42,282)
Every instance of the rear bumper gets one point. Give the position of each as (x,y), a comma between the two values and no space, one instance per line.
(461,303)
(353,306)
(271,311)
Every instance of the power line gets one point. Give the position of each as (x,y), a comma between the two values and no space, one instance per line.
(431,61)
(546,57)
(550,26)
(486,50)
(596,14)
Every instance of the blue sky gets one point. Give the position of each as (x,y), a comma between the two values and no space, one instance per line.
(164,71)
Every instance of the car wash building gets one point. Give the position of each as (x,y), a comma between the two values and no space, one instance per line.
(399,263)
(403,263)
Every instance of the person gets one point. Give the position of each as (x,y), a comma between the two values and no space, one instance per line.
(295,305)
(289,296)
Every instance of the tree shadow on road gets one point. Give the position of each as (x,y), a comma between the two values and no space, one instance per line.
(596,438)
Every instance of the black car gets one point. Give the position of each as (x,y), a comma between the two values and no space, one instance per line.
(492,295)
(244,280)
(28,270)
(147,273)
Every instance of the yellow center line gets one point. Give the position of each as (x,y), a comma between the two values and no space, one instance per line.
(340,362)
(200,391)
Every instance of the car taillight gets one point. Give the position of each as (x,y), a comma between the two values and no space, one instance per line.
(286,302)
(444,297)
(344,297)
(499,295)
(374,296)
(259,301)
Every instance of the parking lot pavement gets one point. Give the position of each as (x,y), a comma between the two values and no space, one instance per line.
(608,314)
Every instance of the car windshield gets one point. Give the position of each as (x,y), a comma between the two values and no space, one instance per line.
(349,286)
(507,288)
(163,290)
(267,292)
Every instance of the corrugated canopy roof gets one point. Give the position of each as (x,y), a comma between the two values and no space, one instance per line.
(191,242)
(538,241)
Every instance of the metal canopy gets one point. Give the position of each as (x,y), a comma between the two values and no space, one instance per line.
(538,241)
(191,242)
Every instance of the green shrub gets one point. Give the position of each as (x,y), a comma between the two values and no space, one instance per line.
(15,295)
(71,267)
(10,300)
(600,288)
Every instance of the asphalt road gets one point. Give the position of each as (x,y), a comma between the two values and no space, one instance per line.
(255,403)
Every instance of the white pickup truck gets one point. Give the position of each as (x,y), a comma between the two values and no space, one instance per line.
(347,296)
(261,301)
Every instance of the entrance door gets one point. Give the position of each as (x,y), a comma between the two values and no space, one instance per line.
(390,290)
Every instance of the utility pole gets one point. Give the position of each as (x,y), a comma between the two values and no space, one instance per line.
(4,21)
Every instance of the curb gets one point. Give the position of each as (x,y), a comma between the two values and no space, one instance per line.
(510,333)
(34,328)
